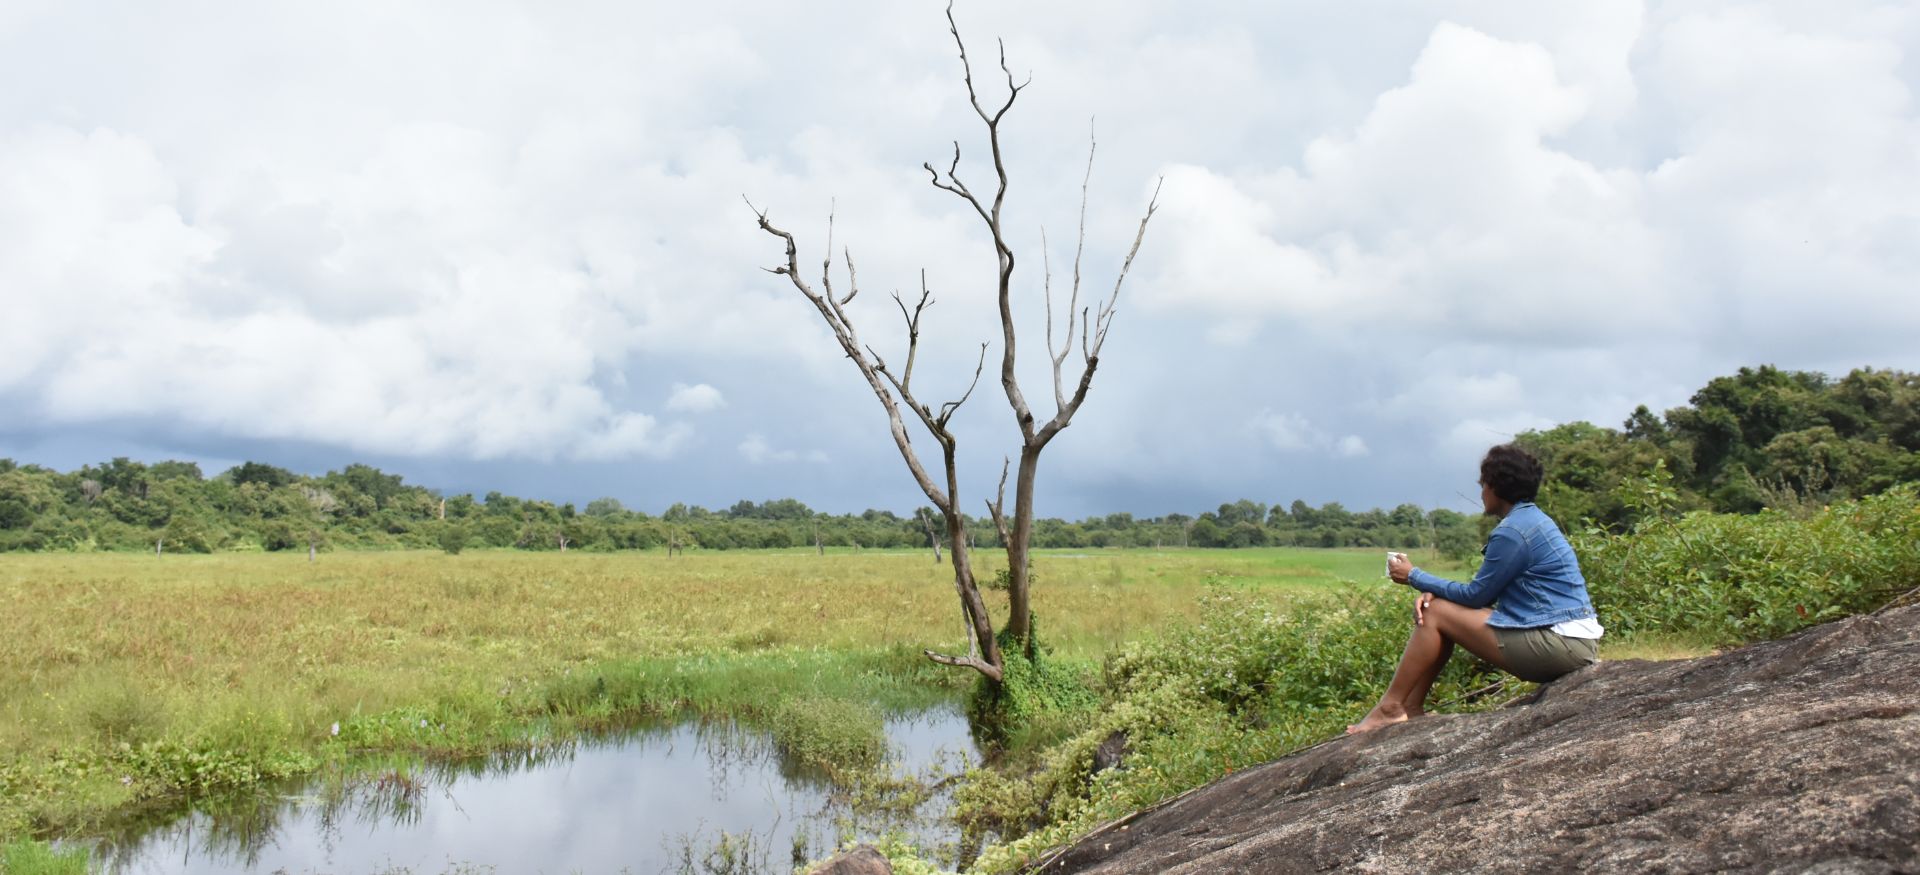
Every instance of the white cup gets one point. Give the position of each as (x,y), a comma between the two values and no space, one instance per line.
(1390,557)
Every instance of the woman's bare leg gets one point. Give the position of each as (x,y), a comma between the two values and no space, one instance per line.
(1416,704)
(1428,648)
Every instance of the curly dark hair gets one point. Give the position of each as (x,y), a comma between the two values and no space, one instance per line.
(1513,473)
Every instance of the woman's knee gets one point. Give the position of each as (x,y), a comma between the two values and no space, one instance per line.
(1455,620)
(1446,611)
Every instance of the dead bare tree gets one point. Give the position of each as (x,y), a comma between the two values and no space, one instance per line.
(933,540)
(894,388)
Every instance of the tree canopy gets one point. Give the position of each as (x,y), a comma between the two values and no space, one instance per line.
(1762,437)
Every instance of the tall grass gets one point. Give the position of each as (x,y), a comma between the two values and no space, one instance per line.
(129,679)
(38,858)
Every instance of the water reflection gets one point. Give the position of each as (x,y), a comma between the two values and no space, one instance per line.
(695,797)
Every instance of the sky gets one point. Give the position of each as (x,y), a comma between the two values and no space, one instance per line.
(496,245)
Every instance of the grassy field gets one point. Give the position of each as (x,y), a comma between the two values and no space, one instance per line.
(130,680)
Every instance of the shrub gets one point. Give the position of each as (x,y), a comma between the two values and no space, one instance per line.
(453,538)
(1732,578)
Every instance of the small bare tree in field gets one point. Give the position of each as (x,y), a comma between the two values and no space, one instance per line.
(894,387)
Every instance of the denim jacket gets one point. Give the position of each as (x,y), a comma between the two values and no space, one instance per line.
(1529,575)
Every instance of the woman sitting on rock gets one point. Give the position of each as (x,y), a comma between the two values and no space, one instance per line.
(1541,624)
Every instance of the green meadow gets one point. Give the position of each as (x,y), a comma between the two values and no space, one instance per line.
(130,682)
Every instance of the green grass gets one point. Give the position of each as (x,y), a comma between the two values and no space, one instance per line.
(128,681)
(37,858)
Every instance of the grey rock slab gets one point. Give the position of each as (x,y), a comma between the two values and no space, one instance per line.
(1796,755)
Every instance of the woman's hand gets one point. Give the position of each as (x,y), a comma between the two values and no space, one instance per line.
(1420,604)
(1398,567)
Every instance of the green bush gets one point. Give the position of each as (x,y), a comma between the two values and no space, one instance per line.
(1034,690)
(453,538)
(1730,578)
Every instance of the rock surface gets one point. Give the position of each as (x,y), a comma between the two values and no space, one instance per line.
(862,860)
(1797,755)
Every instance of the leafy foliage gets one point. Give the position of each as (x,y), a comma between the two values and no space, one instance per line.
(1731,578)
(1034,688)
(1761,438)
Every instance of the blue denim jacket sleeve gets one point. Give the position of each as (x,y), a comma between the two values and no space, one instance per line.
(1505,558)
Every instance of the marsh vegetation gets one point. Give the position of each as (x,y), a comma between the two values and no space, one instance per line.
(135,684)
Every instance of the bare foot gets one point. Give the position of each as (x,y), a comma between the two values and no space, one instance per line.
(1381,715)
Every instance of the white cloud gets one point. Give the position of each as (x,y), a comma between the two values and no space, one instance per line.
(503,230)
(758,451)
(1286,431)
(270,321)
(1459,210)
(699,398)
(1446,210)
(1292,433)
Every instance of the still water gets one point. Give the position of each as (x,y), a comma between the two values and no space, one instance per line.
(691,797)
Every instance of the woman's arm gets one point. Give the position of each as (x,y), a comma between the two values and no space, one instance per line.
(1505,558)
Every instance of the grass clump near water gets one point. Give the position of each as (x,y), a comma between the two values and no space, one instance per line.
(39,858)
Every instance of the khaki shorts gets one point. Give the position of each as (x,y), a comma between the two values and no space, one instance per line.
(1541,655)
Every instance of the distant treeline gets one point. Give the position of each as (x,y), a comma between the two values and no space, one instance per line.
(125,505)
(1763,437)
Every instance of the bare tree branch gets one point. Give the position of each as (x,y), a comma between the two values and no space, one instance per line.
(1046,297)
(1106,313)
(948,409)
(853,280)
(850,342)
(975,663)
(826,264)
(953,183)
(1102,322)
(1073,303)
(994,507)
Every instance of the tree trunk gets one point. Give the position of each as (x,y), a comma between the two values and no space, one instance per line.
(1019,537)
(156,546)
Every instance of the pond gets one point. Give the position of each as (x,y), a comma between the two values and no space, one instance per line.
(693,797)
